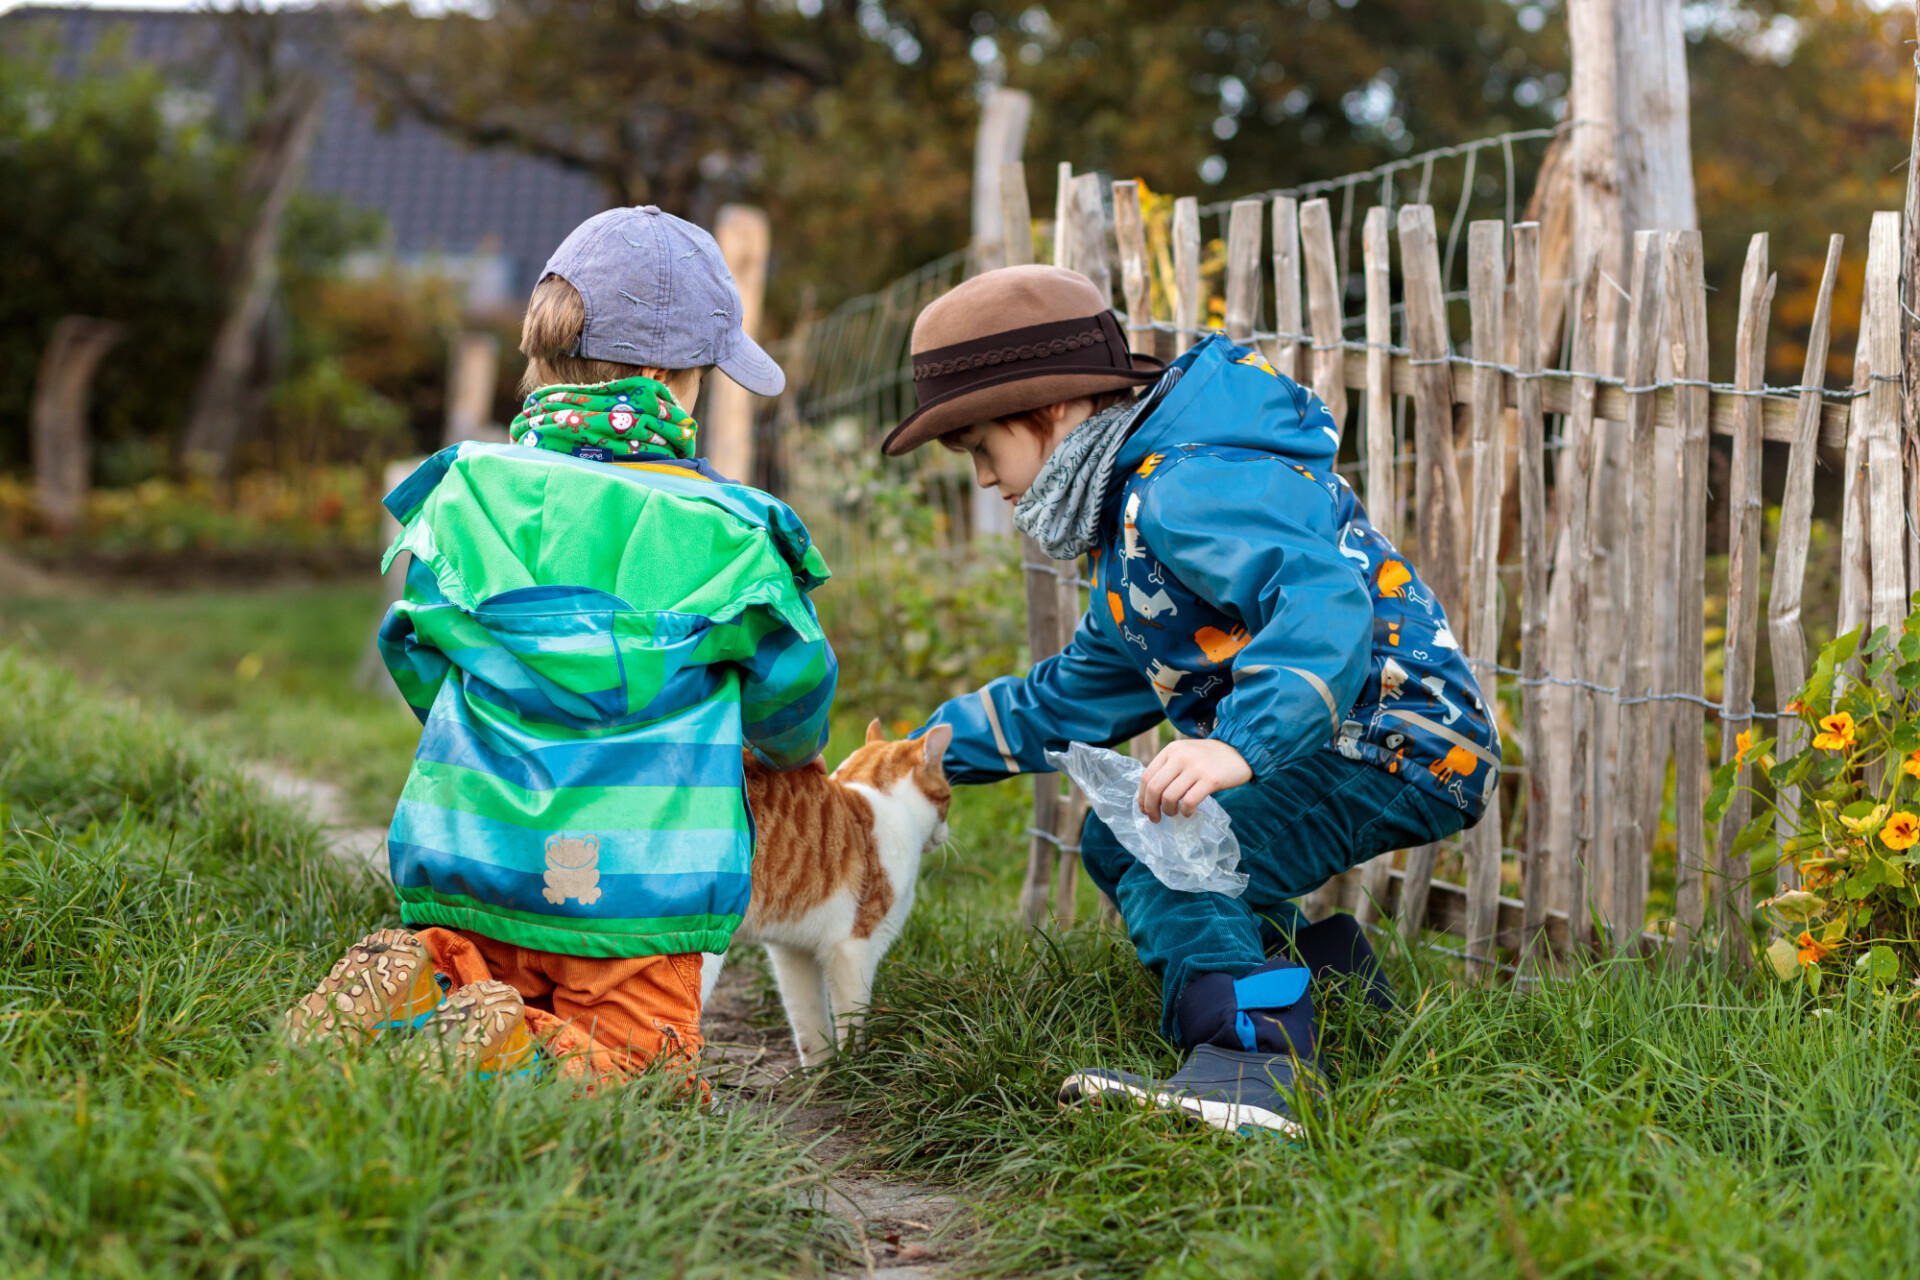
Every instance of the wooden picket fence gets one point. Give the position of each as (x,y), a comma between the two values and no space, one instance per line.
(1604,683)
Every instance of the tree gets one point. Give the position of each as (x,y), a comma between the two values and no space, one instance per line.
(119,196)
(852,120)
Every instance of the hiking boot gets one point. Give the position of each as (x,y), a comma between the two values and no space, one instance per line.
(1232,1090)
(482,1028)
(385,982)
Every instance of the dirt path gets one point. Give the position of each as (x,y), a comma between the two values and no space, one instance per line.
(351,842)
(906,1231)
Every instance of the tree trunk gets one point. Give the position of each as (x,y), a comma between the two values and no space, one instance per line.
(60,453)
(215,419)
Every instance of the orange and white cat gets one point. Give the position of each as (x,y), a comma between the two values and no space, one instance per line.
(834,865)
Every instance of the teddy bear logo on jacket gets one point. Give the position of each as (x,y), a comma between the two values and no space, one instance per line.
(573,869)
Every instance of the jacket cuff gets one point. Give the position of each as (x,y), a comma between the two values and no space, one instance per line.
(1241,737)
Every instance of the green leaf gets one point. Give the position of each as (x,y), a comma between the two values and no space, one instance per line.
(1813,978)
(1764,858)
(1881,963)
(1906,736)
(1790,772)
(1910,643)
(1783,957)
(1907,674)
(1797,905)
(1752,834)
(1835,929)
(1722,793)
(1877,640)
(1858,809)
(1878,667)
(1842,648)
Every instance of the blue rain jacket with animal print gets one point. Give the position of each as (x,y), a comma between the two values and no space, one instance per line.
(1240,592)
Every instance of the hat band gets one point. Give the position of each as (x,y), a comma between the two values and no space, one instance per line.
(1088,343)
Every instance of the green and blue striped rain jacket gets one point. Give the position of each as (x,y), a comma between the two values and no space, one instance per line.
(588,646)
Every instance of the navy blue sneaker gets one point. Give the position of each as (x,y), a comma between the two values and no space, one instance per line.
(1232,1090)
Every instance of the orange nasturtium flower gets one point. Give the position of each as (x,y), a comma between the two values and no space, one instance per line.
(1912,765)
(1743,742)
(1796,707)
(1836,732)
(1901,832)
(1812,950)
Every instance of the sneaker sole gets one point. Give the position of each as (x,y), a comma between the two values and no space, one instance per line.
(1229,1117)
(384,982)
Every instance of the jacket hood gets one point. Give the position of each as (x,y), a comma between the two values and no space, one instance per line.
(1222,394)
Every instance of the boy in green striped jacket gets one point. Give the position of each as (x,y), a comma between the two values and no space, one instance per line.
(594,626)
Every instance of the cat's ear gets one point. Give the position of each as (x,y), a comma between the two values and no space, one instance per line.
(874,733)
(934,746)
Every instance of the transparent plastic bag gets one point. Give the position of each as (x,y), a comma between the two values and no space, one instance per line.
(1194,855)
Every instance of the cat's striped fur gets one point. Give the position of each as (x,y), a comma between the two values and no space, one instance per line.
(834,864)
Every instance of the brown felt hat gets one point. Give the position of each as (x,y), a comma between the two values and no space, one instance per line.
(970,365)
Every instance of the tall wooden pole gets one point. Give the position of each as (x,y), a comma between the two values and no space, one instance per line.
(746,240)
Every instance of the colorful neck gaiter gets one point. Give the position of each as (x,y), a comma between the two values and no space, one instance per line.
(606,422)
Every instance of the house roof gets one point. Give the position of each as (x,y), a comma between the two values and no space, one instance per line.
(439,195)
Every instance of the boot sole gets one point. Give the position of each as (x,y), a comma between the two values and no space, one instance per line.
(384,982)
(482,1028)
(1229,1117)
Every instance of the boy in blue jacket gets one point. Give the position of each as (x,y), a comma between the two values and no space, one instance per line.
(1238,591)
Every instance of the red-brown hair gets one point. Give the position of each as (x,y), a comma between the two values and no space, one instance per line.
(1038,423)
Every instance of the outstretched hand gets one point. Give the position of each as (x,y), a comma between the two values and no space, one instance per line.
(1187,772)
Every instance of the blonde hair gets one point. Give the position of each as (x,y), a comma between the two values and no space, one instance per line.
(555,317)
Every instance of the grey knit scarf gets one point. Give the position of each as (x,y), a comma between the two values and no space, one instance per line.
(1061,509)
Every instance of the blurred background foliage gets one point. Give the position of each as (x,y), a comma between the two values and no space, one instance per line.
(852,122)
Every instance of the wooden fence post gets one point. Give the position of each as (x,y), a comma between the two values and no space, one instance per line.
(473,371)
(1487,277)
(1088,239)
(1785,642)
(1063,216)
(745,238)
(1437,499)
(1383,506)
(1043,603)
(1016,215)
(1243,270)
(1533,582)
(1583,431)
(1323,306)
(1136,273)
(1186,272)
(1687,328)
(1632,840)
(1286,285)
(1886,506)
(1743,579)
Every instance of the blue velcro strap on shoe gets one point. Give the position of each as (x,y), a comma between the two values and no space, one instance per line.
(1274,989)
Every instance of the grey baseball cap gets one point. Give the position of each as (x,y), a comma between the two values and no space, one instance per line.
(657,292)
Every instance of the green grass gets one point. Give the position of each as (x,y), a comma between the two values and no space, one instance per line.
(269,673)
(1625,1122)
(155,917)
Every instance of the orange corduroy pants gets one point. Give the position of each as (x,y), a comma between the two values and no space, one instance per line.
(601,1020)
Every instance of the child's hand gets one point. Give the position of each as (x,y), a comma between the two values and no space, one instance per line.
(1187,772)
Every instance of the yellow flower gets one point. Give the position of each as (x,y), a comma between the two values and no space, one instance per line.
(1836,732)
(1912,765)
(1901,832)
(1866,824)
(1812,951)
(1743,742)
